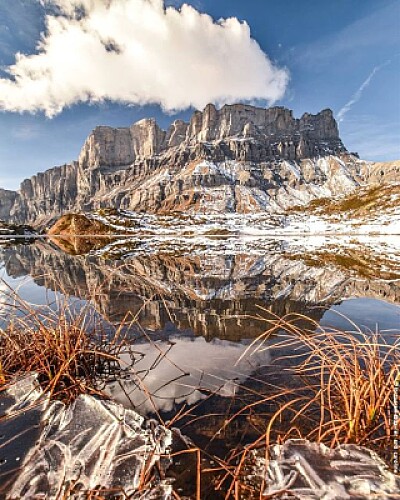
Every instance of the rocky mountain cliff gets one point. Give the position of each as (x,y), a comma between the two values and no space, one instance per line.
(237,159)
(7,200)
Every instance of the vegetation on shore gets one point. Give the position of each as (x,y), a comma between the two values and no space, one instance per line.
(68,347)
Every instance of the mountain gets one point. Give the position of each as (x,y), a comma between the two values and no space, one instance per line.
(237,159)
(7,200)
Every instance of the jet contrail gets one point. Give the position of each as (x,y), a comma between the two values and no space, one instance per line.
(357,95)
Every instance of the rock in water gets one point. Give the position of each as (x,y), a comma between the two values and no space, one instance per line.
(67,451)
(304,470)
(236,159)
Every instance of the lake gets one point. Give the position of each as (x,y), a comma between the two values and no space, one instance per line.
(195,306)
(211,291)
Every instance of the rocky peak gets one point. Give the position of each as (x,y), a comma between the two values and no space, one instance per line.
(147,138)
(320,126)
(176,133)
(306,137)
(231,153)
(248,121)
(121,146)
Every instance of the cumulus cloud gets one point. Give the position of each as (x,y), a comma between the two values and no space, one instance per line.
(139,52)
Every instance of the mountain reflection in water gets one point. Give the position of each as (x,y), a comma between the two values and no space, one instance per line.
(207,293)
(201,308)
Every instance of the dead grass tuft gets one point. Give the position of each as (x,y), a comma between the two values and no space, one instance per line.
(70,348)
(346,394)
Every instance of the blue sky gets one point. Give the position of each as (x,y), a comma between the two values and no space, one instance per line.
(344,55)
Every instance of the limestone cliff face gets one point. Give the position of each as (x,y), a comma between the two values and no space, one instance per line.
(239,158)
(277,133)
(7,200)
(46,194)
(273,125)
(115,147)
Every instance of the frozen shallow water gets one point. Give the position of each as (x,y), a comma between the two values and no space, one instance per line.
(61,450)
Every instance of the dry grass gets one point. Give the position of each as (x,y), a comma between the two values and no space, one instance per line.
(69,347)
(345,396)
(351,379)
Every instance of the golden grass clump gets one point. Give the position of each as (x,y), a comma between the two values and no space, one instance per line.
(344,391)
(349,379)
(67,346)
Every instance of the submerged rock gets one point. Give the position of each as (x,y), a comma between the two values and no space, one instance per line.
(306,471)
(51,450)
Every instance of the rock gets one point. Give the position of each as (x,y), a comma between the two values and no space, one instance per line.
(147,138)
(46,194)
(78,234)
(306,470)
(176,133)
(7,199)
(78,225)
(91,444)
(116,147)
(264,160)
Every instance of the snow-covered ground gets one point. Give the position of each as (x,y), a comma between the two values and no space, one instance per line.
(386,223)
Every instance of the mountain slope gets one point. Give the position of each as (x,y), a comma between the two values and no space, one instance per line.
(239,159)
(373,209)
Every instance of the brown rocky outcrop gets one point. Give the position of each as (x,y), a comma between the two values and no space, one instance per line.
(78,224)
(78,234)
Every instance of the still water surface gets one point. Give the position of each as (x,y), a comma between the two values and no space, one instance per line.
(197,310)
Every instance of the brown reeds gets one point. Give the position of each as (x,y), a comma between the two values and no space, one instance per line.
(344,391)
(349,379)
(68,346)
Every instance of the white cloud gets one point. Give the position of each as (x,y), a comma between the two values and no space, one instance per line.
(139,52)
(186,371)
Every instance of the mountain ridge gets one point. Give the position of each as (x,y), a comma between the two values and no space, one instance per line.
(237,159)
